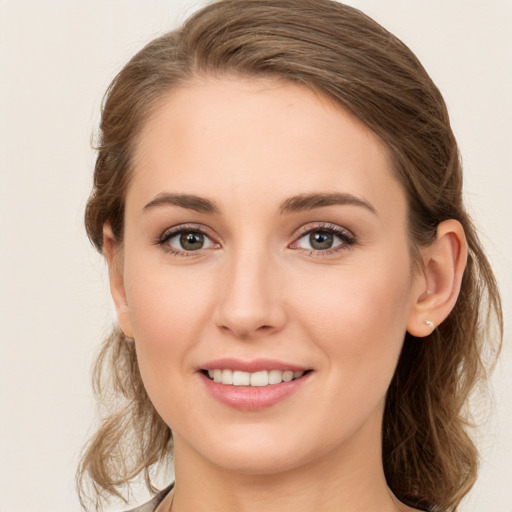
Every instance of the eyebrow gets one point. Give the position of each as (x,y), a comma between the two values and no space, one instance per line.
(299,203)
(306,202)
(188,201)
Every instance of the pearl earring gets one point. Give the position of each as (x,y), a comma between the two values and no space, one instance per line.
(429,323)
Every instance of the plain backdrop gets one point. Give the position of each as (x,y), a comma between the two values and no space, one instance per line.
(56,60)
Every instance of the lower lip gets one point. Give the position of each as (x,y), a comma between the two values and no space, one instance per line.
(253,398)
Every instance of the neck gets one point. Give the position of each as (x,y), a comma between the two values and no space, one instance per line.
(348,478)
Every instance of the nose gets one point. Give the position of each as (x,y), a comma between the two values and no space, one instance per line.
(250,297)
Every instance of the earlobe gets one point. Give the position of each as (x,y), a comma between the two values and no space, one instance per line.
(111,252)
(439,281)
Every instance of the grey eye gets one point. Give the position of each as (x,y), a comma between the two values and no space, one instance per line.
(189,241)
(192,241)
(321,240)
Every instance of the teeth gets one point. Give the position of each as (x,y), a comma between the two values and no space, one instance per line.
(240,378)
(259,379)
(227,377)
(275,377)
(256,379)
(288,376)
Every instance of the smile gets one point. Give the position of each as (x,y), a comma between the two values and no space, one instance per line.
(254,379)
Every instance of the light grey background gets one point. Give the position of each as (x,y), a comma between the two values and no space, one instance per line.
(56,59)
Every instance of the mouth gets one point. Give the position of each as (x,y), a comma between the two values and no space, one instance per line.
(260,379)
(253,385)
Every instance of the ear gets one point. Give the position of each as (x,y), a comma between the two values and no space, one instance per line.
(112,254)
(438,283)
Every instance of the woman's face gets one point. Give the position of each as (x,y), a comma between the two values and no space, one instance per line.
(265,239)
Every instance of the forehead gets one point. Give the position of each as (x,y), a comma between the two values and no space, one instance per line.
(267,138)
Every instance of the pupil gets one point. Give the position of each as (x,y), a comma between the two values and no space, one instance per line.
(192,241)
(321,240)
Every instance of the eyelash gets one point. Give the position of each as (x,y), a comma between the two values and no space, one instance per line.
(347,238)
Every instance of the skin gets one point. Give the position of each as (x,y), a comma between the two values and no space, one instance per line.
(257,290)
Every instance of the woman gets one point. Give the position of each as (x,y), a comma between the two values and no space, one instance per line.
(302,299)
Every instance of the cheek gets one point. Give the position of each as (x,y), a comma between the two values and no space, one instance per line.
(357,315)
(378,288)
(164,301)
(168,311)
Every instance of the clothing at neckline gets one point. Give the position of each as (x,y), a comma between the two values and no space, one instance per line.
(152,504)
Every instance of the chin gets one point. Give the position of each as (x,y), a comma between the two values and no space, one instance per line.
(258,462)
(258,451)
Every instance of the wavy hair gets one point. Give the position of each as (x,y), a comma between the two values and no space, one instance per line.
(342,54)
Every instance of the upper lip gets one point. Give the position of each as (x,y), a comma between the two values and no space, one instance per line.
(255,365)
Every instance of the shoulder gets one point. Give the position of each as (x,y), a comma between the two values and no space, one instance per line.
(151,505)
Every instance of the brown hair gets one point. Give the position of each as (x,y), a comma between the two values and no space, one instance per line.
(341,53)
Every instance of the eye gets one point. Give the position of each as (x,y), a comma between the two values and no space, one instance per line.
(320,240)
(185,240)
(325,239)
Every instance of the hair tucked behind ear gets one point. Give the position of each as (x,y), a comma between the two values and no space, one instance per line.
(341,53)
